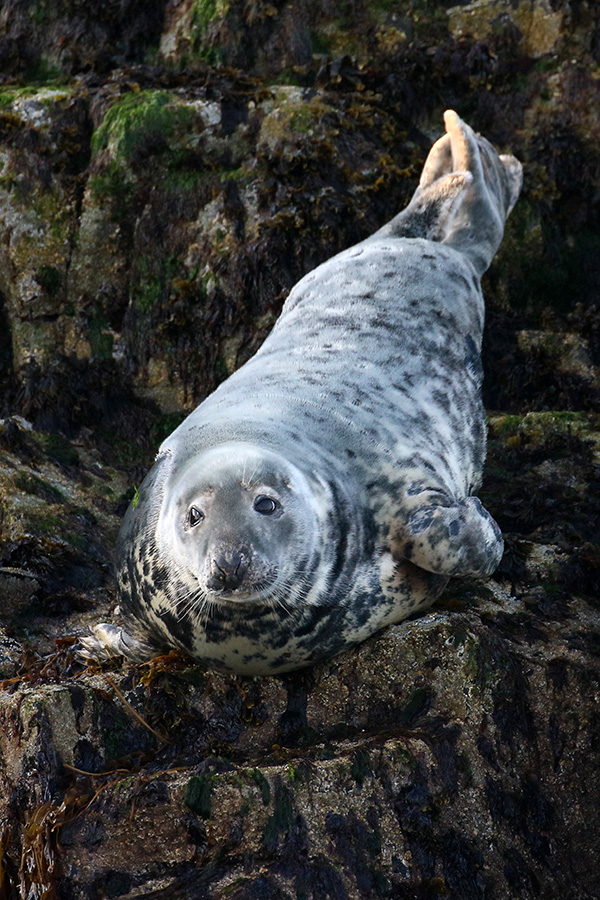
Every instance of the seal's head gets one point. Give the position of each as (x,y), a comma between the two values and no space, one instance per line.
(237,555)
(234,525)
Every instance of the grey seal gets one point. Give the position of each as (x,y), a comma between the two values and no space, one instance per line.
(326,489)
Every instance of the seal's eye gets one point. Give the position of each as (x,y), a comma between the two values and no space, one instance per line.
(266,506)
(195,516)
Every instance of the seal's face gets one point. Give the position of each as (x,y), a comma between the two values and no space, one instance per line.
(234,524)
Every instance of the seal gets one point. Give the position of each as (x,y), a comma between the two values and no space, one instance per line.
(326,489)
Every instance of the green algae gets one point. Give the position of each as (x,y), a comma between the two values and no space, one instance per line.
(50,279)
(60,450)
(206,11)
(281,821)
(140,128)
(198,795)
(361,766)
(294,775)
(32,484)
(99,337)
(265,788)
(112,182)
(142,120)
(164,425)
(154,277)
(302,120)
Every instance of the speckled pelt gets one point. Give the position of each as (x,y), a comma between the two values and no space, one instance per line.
(326,489)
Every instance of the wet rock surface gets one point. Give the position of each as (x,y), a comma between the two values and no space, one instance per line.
(167,173)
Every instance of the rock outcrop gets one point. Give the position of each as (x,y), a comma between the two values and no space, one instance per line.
(167,172)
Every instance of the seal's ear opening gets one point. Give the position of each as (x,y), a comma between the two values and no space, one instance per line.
(514,178)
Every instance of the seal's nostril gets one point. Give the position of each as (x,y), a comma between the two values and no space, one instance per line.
(228,571)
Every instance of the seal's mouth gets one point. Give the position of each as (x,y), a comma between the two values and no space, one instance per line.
(258,593)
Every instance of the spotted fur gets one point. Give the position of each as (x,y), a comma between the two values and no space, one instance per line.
(362,413)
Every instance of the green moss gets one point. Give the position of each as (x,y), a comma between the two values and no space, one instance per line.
(142,121)
(214,56)
(321,43)
(302,120)
(77,540)
(386,5)
(465,767)
(10,95)
(154,277)
(546,64)
(294,775)
(506,425)
(101,345)
(206,11)
(149,289)
(281,821)
(110,181)
(562,417)
(414,707)
(181,178)
(43,523)
(126,452)
(40,14)
(198,795)
(116,734)
(60,450)
(536,428)
(99,336)
(164,425)
(41,72)
(361,766)
(31,484)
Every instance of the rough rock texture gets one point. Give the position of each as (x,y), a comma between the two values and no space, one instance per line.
(167,172)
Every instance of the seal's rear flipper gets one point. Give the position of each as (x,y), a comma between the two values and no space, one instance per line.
(465,193)
(429,213)
(453,538)
(108,641)
(477,228)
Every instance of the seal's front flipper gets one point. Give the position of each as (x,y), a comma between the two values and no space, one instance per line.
(108,641)
(453,537)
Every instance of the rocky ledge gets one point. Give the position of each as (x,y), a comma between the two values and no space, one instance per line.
(167,172)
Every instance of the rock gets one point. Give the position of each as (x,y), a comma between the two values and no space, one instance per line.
(49,40)
(539,24)
(156,205)
(440,752)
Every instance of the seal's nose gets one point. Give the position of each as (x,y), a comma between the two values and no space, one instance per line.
(227,572)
